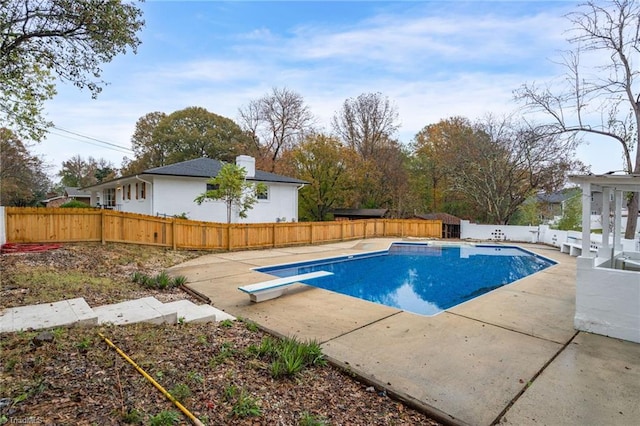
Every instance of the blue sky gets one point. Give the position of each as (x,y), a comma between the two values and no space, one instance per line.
(432,59)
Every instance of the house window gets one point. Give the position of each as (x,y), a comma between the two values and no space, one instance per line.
(212,187)
(141,191)
(127,192)
(264,194)
(109,197)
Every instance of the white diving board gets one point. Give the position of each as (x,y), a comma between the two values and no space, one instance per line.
(275,288)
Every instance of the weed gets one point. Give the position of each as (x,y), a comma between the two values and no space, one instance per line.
(58,333)
(10,365)
(246,406)
(159,375)
(180,392)
(84,345)
(289,356)
(137,277)
(226,323)
(165,418)
(226,351)
(202,339)
(161,281)
(194,376)
(230,392)
(181,320)
(251,326)
(308,419)
(132,416)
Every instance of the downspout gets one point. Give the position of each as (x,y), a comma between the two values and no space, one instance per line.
(152,197)
(295,208)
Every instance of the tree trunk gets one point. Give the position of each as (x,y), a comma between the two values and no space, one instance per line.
(632,217)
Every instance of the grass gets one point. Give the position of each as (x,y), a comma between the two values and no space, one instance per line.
(288,356)
(44,285)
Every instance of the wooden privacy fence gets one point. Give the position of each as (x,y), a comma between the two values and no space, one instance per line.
(40,225)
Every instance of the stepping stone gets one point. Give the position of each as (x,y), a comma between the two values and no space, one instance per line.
(47,315)
(190,312)
(146,309)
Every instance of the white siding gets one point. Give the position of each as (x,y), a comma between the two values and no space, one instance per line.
(175,196)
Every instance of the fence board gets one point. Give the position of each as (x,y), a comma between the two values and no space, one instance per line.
(32,225)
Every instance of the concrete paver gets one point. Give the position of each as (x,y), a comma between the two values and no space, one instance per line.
(594,381)
(46,315)
(464,367)
(470,362)
(145,309)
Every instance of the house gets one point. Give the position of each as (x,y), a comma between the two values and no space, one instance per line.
(171,191)
(355,214)
(70,193)
(552,205)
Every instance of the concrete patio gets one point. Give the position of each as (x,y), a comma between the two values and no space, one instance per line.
(511,356)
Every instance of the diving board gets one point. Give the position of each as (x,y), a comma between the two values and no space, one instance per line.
(275,288)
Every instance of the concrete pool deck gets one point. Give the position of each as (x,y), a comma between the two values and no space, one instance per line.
(510,357)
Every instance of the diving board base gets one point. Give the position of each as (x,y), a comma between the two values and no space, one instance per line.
(271,289)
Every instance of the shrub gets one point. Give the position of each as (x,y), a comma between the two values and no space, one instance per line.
(75,204)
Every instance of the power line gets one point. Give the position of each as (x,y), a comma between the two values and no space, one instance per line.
(120,147)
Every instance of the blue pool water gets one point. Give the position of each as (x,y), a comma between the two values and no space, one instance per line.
(419,278)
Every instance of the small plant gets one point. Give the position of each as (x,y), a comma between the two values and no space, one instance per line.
(246,406)
(202,339)
(179,280)
(163,280)
(308,419)
(84,345)
(10,366)
(230,392)
(181,320)
(165,418)
(226,323)
(251,326)
(132,416)
(226,352)
(194,376)
(181,392)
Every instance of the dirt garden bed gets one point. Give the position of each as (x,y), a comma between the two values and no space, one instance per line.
(222,372)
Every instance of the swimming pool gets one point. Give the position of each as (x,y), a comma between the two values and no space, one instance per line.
(420,278)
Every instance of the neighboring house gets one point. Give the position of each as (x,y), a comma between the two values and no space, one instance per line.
(552,205)
(355,214)
(171,191)
(70,193)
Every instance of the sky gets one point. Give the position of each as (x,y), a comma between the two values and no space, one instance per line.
(432,59)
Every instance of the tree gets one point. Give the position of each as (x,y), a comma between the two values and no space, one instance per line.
(78,172)
(433,147)
(366,123)
(323,162)
(231,187)
(600,95)
(571,219)
(42,39)
(277,121)
(23,178)
(147,152)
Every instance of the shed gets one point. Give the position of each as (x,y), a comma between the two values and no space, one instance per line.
(450,223)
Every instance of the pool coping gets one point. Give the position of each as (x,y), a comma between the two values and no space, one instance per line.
(533,331)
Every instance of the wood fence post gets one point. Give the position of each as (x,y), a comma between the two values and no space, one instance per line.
(173,234)
(311,233)
(273,236)
(228,237)
(102,226)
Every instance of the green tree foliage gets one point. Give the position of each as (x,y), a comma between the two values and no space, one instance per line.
(231,187)
(68,39)
(23,178)
(78,172)
(324,163)
(183,135)
(571,219)
(600,92)
(495,164)
(147,152)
